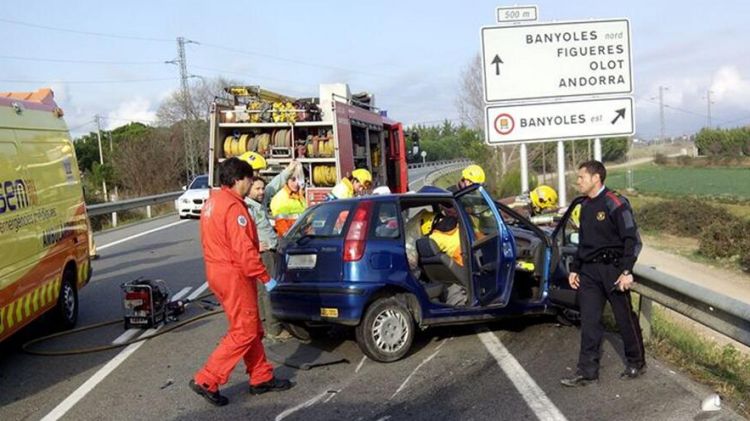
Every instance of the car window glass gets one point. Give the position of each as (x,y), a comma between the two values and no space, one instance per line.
(480,214)
(199,183)
(327,220)
(386,223)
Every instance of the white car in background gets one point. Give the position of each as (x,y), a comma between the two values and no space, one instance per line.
(190,203)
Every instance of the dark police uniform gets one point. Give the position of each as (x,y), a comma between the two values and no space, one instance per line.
(609,244)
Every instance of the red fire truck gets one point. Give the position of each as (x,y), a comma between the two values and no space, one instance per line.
(331,135)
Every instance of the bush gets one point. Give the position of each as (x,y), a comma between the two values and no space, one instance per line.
(660,159)
(726,239)
(683,217)
(745,262)
(685,160)
(510,184)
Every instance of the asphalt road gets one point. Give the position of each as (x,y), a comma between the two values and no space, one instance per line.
(505,370)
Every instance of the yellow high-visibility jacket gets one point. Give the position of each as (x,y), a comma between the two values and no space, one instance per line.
(287,202)
(449,243)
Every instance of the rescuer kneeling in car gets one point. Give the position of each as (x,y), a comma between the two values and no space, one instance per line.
(233,266)
(444,230)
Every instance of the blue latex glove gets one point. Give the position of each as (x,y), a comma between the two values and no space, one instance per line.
(270,285)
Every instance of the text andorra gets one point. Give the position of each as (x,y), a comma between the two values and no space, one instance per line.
(557,120)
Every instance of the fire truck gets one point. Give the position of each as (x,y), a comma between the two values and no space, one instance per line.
(331,135)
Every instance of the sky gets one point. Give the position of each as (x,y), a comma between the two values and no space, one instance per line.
(107,58)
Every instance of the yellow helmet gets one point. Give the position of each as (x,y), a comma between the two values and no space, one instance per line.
(343,190)
(362,175)
(426,222)
(543,197)
(255,160)
(473,173)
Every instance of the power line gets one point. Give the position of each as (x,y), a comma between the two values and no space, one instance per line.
(75,31)
(72,82)
(57,60)
(288,60)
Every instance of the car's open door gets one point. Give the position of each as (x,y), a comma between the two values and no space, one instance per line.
(492,256)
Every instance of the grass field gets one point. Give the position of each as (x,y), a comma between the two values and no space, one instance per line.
(730,183)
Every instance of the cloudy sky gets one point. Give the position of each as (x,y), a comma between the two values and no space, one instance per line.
(108,59)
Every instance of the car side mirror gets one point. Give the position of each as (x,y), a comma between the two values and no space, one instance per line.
(184,187)
(573,238)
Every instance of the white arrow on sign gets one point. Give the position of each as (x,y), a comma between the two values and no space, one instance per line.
(527,123)
(552,60)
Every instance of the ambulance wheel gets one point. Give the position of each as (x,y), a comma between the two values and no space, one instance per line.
(66,311)
(386,331)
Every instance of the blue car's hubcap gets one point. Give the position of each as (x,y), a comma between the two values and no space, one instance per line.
(390,331)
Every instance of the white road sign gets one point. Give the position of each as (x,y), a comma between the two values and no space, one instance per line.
(516,14)
(526,123)
(534,61)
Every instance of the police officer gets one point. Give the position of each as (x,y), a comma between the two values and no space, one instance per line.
(602,271)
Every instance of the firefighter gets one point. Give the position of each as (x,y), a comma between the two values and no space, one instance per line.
(602,271)
(288,204)
(257,206)
(358,184)
(473,174)
(233,266)
(445,234)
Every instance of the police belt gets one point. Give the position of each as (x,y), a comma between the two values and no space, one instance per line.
(607,257)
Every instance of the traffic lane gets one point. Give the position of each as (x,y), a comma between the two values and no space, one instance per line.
(550,352)
(154,385)
(37,383)
(103,238)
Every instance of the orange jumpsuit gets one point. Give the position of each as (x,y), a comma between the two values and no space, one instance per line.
(233,266)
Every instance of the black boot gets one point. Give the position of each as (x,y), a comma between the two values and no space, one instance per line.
(214,397)
(273,385)
(577,380)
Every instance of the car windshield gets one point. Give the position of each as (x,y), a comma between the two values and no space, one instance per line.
(200,182)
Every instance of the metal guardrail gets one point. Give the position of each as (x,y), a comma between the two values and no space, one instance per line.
(722,313)
(436,163)
(114,207)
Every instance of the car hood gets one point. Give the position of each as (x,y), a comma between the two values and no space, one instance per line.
(195,194)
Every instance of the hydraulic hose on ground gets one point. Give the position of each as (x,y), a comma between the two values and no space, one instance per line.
(26,347)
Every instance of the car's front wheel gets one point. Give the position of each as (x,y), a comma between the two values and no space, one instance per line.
(386,331)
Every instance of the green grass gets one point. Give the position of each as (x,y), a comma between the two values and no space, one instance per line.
(722,183)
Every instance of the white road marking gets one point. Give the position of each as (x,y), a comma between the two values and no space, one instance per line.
(92,382)
(198,292)
(385,418)
(535,398)
(181,293)
(126,336)
(425,361)
(303,405)
(114,243)
(333,395)
(361,363)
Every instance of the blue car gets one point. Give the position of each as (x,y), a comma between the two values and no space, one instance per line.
(365,263)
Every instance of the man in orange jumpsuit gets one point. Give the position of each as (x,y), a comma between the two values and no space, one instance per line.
(233,266)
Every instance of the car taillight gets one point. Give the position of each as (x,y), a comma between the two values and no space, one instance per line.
(356,236)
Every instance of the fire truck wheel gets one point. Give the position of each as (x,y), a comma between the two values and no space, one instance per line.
(66,311)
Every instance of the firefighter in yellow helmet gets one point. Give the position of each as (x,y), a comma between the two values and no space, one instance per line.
(543,199)
(358,184)
(473,174)
(444,231)
(255,160)
(288,203)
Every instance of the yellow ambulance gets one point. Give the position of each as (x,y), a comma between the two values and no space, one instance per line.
(44,248)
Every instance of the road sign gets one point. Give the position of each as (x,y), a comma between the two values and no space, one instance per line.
(534,61)
(516,14)
(525,123)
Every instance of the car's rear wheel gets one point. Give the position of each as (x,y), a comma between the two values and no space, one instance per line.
(386,331)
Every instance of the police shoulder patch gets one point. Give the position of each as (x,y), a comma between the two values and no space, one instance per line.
(242,220)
